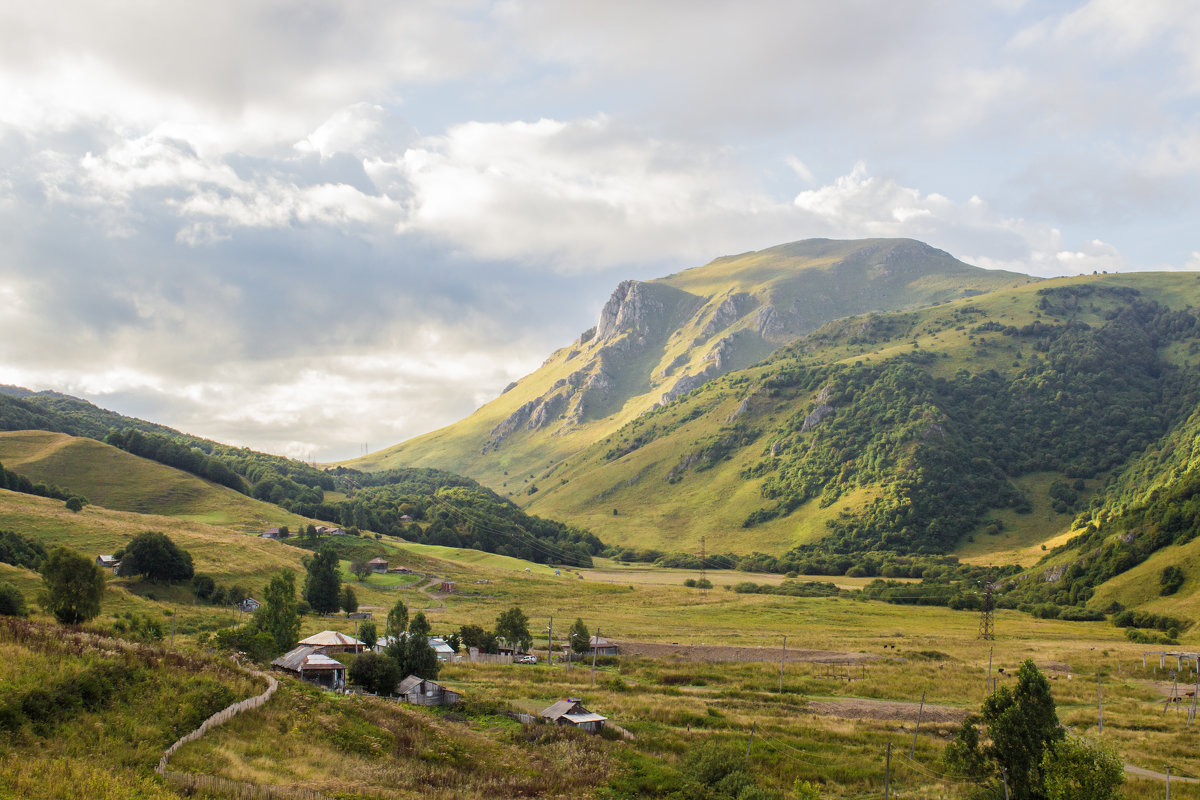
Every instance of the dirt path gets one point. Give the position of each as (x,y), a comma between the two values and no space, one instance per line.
(886,710)
(695,652)
(437,598)
(1158,776)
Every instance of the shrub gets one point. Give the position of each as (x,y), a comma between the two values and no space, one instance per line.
(12,602)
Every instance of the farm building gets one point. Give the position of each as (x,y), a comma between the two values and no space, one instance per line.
(108,562)
(426,693)
(378,565)
(570,711)
(325,530)
(334,642)
(313,666)
(272,533)
(249,605)
(602,647)
(445,653)
(447,587)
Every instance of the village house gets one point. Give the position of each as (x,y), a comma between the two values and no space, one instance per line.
(312,665)
(108,562)
(272,533)
(426,693)
(325,530)
(445,653)
(602,647)
(334,642)
(570,711)
(249,605)
(378,565)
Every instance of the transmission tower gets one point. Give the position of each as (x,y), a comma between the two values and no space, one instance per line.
(985,615)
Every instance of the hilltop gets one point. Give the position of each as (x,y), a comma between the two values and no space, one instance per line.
(658,340)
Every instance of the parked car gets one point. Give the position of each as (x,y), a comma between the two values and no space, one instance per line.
(528,658)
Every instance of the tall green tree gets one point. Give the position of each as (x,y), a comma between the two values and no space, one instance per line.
(1023,726)
(348,599)
(419,658)
(278,615)
(397,620)
(154,555)
(322,587)
(579,637)
(74,585)
(513,627)
(368,635)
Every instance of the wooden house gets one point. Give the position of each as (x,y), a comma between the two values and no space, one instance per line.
(570,711)
(311,665)
(602,647)
(378,565)
(108,562)
(426,693)
(446,587)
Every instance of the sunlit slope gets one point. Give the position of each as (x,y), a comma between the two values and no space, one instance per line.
(658,340)
(697,467)
(112,478)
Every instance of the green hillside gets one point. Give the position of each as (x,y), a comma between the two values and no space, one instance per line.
(117,480)
(658,340)
(966,416)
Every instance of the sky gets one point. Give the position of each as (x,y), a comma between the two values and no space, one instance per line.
(313,227)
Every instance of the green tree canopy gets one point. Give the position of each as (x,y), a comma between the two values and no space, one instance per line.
(73,584)
(278,614)
(322,587)
(475,636)
(376,673)
(348,599)
(12,602)
(154,555)
(368,635)
(513,627)
(579,637)
(397,620)
(1076,769)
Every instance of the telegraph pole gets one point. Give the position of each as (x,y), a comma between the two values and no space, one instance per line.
(1099,703)
(594,649)
(782,658)
(887,773)
(550,642)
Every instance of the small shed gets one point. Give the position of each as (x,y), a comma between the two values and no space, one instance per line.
(271,533)
(378,565)
(426,693)
(313,666)
(445,653)
(602,647)
(108,562)
(570,711)
(334,642)
(447,587)
(249,605)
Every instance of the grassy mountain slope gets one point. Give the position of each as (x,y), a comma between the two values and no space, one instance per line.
(117,480)
(700,466)
(658,340)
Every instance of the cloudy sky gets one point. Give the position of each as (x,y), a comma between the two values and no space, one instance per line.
(305,226)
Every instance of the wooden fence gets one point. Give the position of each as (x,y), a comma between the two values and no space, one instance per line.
(219,718)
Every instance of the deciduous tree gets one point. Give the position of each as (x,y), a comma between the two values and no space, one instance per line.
(322,587)
(154,555)
(74,585)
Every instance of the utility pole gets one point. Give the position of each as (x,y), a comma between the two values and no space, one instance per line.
(887,773)
(986,630)
(782,658)
(751,742)
(594,649)
(920,711)
(1099,703)
(988,688)
(550,642)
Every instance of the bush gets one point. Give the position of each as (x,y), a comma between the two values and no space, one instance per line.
(1170,580)
(12,602)
(376,673)
(155,556)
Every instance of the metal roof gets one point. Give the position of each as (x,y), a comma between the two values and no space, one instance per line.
(306,659)
(331,639)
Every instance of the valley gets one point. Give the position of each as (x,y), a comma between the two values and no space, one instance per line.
(787,484)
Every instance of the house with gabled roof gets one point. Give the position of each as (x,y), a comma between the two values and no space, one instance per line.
(313,666)
(570,711)
(424,692)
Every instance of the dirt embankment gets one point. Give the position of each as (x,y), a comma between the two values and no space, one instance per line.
(704,652)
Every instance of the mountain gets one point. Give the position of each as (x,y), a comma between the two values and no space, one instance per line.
(658,340)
